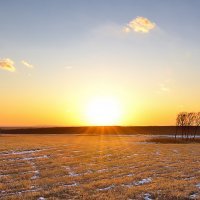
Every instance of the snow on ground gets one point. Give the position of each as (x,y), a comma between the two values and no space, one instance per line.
(198,185)
(193,196)
(106,188)
(140,182)
(72,174)
(19,192)
(22,152)
(129,175)
(36,175)
(32,158)
(71,185)
(41,198)
(178,136)
(147,196)
(36,172)
(143,181)
(28,158)
(3,175)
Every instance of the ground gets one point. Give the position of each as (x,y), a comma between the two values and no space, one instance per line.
(97,167)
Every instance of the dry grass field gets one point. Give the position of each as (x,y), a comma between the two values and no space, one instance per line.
(97,167)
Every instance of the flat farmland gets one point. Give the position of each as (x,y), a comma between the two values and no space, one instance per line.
(97,167)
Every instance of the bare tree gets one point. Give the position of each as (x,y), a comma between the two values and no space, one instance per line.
(183,122)
(189,122)
(196,123)
(178,124)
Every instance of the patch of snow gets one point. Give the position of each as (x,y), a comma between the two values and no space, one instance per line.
(106,188)
(36,175)
(20,192)
(41,198)
(32,158)
(4,175)
(193,196)
(18,173)
(198,185)
(147,196)
(178,136)
(129,175)
(73,174)
(28,158)
(143,181)
(71,185)
(22,152)
(25,152)
(89,172)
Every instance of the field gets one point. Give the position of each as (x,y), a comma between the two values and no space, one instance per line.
(97,167)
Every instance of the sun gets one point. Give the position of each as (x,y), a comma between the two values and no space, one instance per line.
(103,111)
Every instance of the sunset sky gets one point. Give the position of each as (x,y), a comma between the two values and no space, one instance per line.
(59,58)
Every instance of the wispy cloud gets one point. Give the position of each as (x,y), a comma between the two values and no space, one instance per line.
(27,64)
(139,24)
(7,64)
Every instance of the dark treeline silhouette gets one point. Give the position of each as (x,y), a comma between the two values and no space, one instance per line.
(96,130)
(187,125)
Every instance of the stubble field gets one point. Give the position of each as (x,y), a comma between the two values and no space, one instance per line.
(97,167)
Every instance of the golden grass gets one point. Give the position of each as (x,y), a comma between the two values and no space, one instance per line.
(96,167)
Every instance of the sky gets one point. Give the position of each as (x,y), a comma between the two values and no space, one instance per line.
(57,56)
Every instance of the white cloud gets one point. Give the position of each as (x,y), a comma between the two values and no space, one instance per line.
(7,64)
(139,24)
(26,64)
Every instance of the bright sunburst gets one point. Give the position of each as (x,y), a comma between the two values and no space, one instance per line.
(103,111)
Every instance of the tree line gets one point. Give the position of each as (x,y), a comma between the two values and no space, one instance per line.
(187,124)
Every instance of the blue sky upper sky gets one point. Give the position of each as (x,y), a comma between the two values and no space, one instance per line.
(66,51)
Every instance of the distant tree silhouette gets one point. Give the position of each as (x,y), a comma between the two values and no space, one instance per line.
(178,124)
(184,122)
(190,120)
(197,123)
